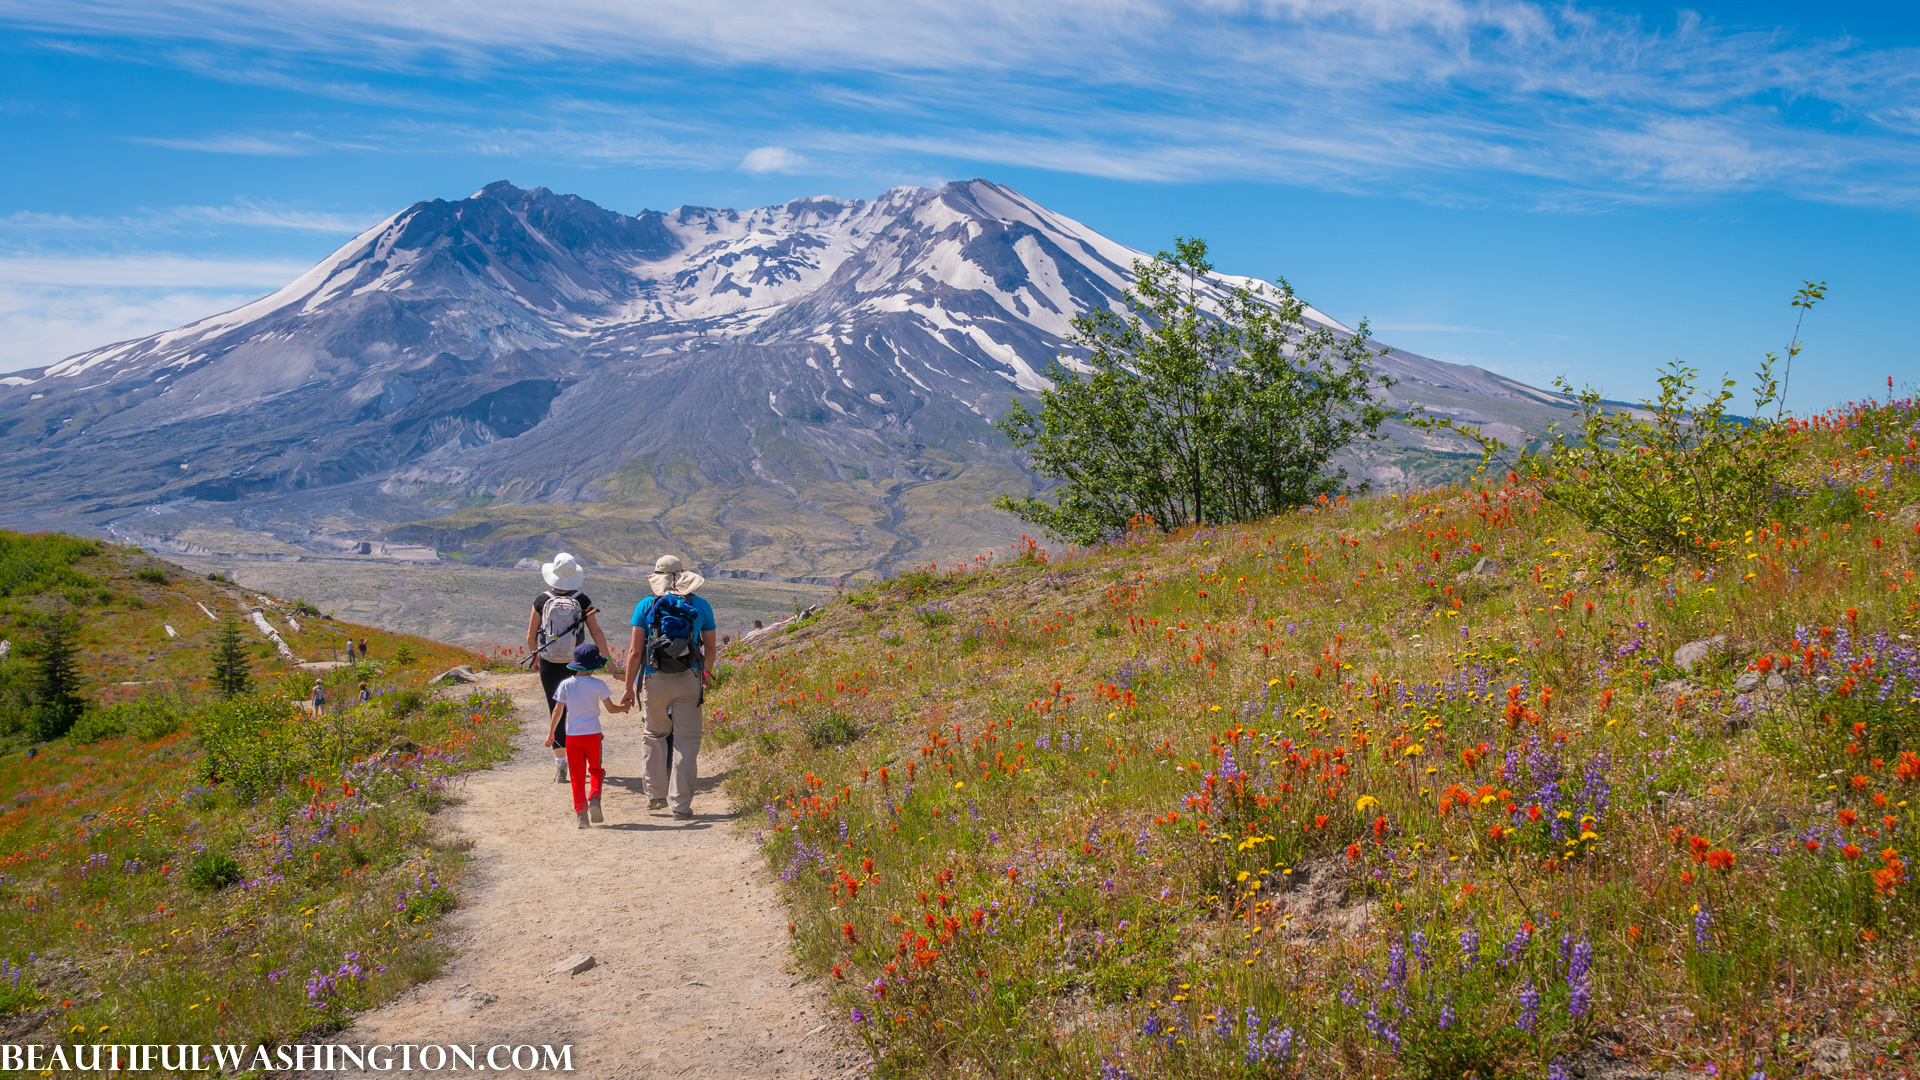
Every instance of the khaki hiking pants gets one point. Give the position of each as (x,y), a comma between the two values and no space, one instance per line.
(679,692)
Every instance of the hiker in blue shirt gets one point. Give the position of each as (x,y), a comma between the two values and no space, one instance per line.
(672,657)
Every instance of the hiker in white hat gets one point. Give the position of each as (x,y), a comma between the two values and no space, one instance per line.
(673,642)
(562,620)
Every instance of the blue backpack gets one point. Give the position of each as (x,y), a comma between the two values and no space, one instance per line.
(672,643)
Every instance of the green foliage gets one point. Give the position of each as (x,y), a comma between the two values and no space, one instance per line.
(1204,405)
(18,997)
(57,701)
(403,655)
(404,703)
(212,871)
(152,574)
(305,607)
(42,562)
(148,717)
(1665,484)
(16,695)
(231,676)
(251,744)
(830,728)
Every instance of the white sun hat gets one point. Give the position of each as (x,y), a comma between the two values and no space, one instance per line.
(564,572)
(670,577)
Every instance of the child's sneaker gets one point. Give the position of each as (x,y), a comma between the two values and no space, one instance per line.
(559,772)
(582,816)
(593,811)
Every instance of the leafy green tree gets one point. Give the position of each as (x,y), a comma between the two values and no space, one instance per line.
(57,701)
(1203,404)
(232,675)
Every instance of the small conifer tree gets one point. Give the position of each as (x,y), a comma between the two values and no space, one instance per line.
(57,701)
(232,676)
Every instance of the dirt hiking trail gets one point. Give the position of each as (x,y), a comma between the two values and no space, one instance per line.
(682,919)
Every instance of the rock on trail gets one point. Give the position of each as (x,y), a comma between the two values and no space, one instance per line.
(656,948)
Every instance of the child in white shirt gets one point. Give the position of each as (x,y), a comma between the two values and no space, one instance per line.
(576,703)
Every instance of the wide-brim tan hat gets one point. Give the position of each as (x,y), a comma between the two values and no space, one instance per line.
(670,577)
(564,572)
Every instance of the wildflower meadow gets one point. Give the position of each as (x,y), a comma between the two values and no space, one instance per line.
(187,868)
(1437,784)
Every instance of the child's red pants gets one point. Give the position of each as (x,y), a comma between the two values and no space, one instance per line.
(583,756)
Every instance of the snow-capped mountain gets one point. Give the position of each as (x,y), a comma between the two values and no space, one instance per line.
(802,389)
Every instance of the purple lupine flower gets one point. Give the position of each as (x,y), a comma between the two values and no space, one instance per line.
(1558,1070)
(1418,941)
(1515,948)
(1579,979)
(1529,1007)
(1396,967)
(1702,929)
(1447,1017)
(1469,948)
(1279,1042)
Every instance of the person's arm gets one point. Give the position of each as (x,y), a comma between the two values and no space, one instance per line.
(593,631)
(711,653)
(559,711)
(636,659)
(533,628)
(619,705)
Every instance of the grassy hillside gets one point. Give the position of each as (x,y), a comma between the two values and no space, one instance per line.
(1413,786)
(182,868)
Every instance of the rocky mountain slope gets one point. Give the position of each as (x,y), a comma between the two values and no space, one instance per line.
(798,391)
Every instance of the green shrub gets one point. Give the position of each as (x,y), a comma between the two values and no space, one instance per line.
(830,728)
(1666,484)
(404,703)
(252,744)
(16,695)
(152,574)
(42,562)
(151,716)
(213,871)
(107,723)
(403,655)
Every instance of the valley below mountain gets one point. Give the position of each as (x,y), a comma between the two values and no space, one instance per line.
(790,395)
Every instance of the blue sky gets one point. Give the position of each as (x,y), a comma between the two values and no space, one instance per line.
(1542,189)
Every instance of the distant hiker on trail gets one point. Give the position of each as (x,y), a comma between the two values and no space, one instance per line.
(672,657)
(364,651)
(577,708)
(319,698)
(349,652)
(561,621)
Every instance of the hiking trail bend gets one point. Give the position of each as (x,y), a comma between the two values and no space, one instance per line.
(693,975)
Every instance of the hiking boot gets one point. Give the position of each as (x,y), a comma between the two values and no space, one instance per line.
(593,811)
(559,772)
(656,804)
(682,815)
(582,816)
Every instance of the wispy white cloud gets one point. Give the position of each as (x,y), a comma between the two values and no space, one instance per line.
(148,270)
(762,160)
(1558,104)
(289,144)
(52,306)
(241,213)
